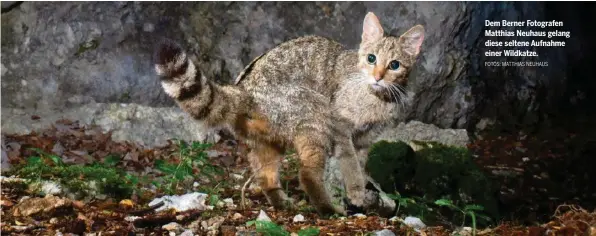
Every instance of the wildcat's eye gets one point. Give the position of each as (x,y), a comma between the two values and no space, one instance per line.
(371,59)
(394,65)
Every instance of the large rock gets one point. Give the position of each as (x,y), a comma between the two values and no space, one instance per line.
(149,126)
(68,54)
(418,131)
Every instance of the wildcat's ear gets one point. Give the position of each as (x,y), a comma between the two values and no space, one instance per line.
(412,40)
(371,29)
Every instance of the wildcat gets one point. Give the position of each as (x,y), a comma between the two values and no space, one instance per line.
(309,94)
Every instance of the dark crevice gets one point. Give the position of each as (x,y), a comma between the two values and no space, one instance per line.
(11,6)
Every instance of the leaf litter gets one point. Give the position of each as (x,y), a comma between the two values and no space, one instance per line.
(68,143)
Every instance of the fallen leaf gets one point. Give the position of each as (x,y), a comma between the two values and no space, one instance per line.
(126,203)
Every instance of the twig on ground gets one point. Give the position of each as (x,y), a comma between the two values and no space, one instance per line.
(242,198)
(146,210)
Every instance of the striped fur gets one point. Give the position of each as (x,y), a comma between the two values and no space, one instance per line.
(217,106)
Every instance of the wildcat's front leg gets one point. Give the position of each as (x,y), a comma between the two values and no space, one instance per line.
(352,171)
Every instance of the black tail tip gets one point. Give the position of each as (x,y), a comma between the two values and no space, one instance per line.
(166,51)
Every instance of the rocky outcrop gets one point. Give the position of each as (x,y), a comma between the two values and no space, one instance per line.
(148,126)
(68,54)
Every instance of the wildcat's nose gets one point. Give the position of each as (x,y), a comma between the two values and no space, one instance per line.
(378,73)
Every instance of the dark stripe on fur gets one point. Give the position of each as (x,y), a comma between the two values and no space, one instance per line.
(176,72)
(189,92)
(247,69)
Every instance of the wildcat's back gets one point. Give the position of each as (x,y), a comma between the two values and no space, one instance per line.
(283,79)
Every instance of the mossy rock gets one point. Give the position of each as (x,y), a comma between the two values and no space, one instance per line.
(391,164)
(435,171)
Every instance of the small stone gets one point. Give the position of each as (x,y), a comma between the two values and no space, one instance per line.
(394,219)
(195,184)
(204,225)
(237,216)
(263,216)
(220,204)
(298,218)
(54,221)
(385,232)
(229,203)
(360,215)
(212,153)
(172,227)
(132,218)
(214,224)
(237,177)
(525,159)
(187,233)
(465,231)
(414,222)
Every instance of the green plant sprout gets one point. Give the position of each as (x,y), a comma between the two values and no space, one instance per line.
(466,210)
(269,228)
(189,156)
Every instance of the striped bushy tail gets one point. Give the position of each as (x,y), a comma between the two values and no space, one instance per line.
(203,99)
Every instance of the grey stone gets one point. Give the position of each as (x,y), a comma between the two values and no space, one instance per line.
(385,232)
(414,222)
(148,126)
(416,130)
(4,161)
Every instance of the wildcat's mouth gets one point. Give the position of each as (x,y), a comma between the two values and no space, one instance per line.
(377,87)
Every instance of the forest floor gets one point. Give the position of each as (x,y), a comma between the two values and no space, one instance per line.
(542,191)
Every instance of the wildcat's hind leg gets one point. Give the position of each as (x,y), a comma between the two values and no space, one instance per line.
(312,150)
(265,160)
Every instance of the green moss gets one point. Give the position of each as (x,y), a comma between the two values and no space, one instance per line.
(435,171)
(390,163)
(449,172)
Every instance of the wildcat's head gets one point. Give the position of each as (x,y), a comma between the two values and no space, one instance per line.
(386,61)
